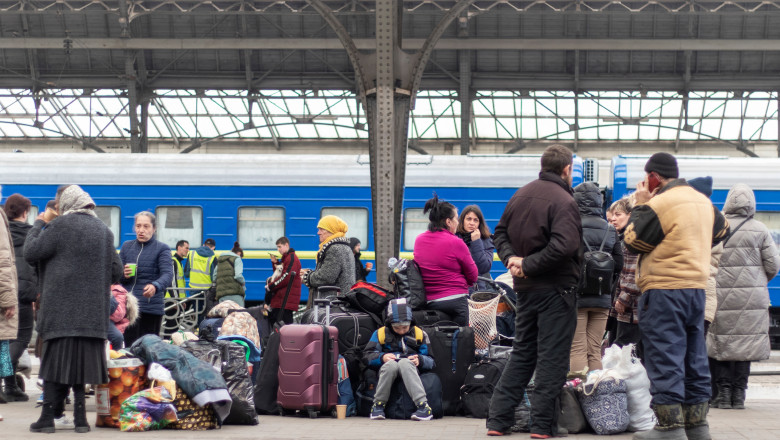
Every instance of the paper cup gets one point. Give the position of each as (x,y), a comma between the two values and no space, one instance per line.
(341,411)
(133,268)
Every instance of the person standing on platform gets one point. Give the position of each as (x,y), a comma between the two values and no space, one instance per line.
(538,239)
(229,276)
(180,259)
(276,286)
(673,227)
(147,273)
(75,251)
(200,265)
(16,209)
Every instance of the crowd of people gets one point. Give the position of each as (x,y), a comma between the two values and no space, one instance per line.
(681,280)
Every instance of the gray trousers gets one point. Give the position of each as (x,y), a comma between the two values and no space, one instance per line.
(411,378)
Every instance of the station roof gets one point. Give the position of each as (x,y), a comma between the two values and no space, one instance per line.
(606,69)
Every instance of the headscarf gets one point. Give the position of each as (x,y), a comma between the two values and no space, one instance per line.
(75,200)
(334,225)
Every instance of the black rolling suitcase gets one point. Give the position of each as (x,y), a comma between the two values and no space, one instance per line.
(452,347)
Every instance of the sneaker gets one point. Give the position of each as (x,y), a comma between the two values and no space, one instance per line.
(378,411)
(63,422)
(39,401)
(423,412)
(497,433)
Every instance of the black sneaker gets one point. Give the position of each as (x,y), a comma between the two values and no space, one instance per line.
(377,411)
(423,412)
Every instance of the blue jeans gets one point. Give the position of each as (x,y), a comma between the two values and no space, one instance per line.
(672,325)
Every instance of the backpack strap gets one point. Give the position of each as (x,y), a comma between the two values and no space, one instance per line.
(731,234)
(606,234)
(418,334)
(380,333)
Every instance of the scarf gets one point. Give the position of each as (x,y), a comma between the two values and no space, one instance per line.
(334,225)
(76,200)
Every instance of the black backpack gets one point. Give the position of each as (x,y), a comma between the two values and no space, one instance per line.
(408,283)
(598,269)
(477,389)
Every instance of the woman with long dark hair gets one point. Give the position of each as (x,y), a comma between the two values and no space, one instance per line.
(475,233)
(75,251)
(445,262)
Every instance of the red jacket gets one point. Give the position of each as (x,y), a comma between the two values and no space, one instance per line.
(278,287)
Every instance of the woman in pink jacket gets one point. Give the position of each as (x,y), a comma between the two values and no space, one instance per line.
(445,262)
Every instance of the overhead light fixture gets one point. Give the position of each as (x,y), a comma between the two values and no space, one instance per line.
(359,126)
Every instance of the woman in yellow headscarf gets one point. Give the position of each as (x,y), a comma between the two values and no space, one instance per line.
(335,262)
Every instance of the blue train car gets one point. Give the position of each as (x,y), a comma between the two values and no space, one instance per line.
(761,174)
(255,199)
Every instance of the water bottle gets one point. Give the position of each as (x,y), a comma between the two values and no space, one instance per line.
(392,262)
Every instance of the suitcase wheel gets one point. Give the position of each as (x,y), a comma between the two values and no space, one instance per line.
(312,414)
(285,412)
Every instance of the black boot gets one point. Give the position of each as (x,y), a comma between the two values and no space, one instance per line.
(13,392)
(79,409)
(724,396)
(738,398)
(45,423)
(696,426)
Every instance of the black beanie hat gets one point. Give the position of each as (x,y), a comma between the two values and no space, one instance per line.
(664,164)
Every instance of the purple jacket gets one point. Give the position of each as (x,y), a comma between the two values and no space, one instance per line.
(445,264)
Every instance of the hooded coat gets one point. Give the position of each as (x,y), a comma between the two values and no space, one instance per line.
(400,345)
(740,331)
(590,203)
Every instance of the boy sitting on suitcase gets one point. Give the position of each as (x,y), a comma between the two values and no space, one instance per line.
(396,349)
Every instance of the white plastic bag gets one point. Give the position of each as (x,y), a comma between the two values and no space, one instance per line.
(623,361)
(158,373)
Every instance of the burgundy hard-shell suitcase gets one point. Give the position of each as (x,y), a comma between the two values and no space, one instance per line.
(308,373)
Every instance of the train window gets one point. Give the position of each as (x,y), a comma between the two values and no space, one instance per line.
(415,223)
(355,218)
(772,222)
(110,216)
(259,228)
(176,223)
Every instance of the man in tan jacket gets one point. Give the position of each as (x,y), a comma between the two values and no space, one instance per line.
(673,228)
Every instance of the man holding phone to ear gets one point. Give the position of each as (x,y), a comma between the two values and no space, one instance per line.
(673,227)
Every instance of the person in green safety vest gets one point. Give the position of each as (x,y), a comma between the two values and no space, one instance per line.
(180,259)
(200,265)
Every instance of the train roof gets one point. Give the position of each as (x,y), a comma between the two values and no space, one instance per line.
(500,171)
(757,172)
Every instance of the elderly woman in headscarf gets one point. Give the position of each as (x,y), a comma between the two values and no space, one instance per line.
(335,260)
(76,254)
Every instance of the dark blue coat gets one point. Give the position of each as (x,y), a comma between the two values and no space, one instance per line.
(154,267)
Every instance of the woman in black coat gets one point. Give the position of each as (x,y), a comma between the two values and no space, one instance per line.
(76,252)
(16,209)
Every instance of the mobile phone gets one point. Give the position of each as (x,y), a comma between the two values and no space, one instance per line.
(652,182)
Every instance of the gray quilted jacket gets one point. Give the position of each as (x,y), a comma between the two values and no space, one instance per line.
(740,329)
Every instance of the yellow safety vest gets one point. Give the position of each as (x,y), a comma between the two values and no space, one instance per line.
(178,277)
(200,273)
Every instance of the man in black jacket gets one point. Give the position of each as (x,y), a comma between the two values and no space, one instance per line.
(538,239)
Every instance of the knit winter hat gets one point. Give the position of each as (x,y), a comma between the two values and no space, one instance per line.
(702,184)
(664,164)
(74,199)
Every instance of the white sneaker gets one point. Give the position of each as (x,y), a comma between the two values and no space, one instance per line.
(64,423)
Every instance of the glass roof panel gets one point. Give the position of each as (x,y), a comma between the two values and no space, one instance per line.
(498,115)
